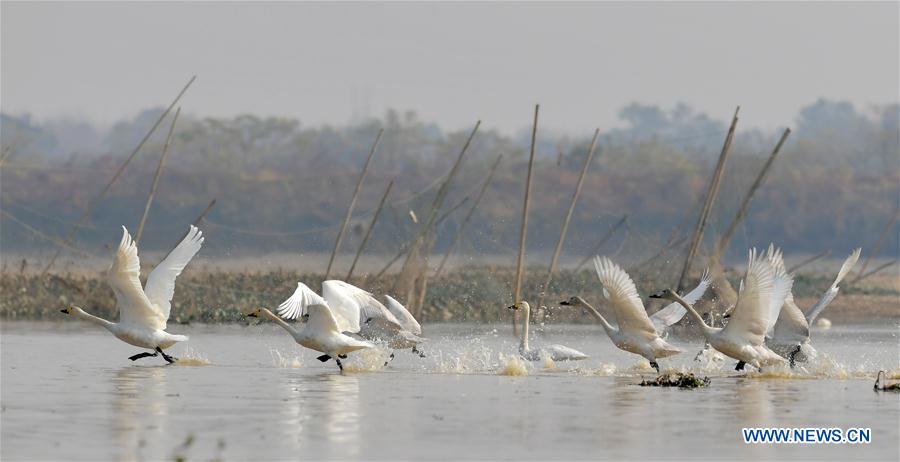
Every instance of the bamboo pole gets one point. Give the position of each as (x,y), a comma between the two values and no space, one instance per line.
(565,225)
(523,231)
(665,248)
(159,168)
(603,240)
(46,237)
(6,151)
(809,260)
(365,239)
(469,214)
(876,270)
(875,248)
(745,204)
(196,223)
(711,194)
(71,235)
(362,176)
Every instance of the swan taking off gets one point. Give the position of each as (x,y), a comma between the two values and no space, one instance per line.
(143,312)
(636,333)
(554,352)
(790,336)
(319,333)
(358,312)
(760,298)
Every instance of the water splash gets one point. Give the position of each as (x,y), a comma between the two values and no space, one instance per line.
(192,357)
(367,360)
(512,365)
(285,361)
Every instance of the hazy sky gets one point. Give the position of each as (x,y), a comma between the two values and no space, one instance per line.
(450,62)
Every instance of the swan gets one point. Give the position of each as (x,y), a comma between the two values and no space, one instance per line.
(760,298)
(554,352)
(636,332)
(790,336)
(143,312)
(883,384)
(320,332)
(357,312)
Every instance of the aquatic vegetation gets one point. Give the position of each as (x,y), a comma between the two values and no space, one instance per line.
(677,379)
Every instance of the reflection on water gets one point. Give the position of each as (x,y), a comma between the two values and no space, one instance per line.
(262,397)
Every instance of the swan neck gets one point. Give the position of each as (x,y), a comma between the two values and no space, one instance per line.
(94,319)
(707,330)
(603,322)
(281,322)
(524,344)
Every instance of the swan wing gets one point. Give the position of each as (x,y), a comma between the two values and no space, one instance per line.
(407,320)
(782,282)
(623,297)
(296,305)
(366,306)
(673,312)
(161,282)
(791,327)
(832,291)
(321,319)
(124,278)
(749,320)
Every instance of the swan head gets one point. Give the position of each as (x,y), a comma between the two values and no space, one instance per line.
(573,301)
(519,305)
(254,313)
(667,294)
(72,310)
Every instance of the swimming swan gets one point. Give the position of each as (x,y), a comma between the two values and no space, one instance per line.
(636,332)
(555,352)
(790,336)
(143,312)
(760,298)
(319,333)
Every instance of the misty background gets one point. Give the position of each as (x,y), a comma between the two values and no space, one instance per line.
(289,98)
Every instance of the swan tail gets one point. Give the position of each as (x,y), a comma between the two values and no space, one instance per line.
(180,338)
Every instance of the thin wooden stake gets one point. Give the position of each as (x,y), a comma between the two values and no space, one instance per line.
(523,231)
(6,151)
(362,176)
(84,216)
(603,240)
(711,194)
(809,260)
(565,225)
(875,248)
(469,215)
(365,239)
(159,168)
(745,204)
(196,223)
(876,270)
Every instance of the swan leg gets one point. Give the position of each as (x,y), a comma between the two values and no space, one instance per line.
(340,366)
(740,366)
(142,355)
(655,365)
(342,356)
(793,355)
(169,359)
(418,352)
(391,358)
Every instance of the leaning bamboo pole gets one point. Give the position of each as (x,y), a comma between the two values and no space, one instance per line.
(159,169)
(565,225)
(874,271)
(359,182)
(745,204)
(602,241)
(809,260)
(469,214)
(196,223)
(365,239)
(90,208)
(711,194)
(875,248)
(523,230)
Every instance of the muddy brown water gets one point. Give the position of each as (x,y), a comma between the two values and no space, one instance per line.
(249,392)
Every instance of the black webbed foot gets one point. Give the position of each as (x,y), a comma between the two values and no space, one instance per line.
(418,352)
(324,358)
(342,356)
(740,366)
(142,355)
(390,358)
(655,365)
(169,359)
(340,366)
(793,355)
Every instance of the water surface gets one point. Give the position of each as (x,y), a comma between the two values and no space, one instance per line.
(69,392)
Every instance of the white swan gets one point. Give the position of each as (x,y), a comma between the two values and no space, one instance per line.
(790,336)
(636,332)
(319,333)
(143,312)
(555,352)
(760,298)
(356,311)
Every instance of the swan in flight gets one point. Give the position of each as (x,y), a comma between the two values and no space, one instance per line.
(321,332)
(760,298)
(144,311)
(555,352)
(636,333)
(790,336)
(358,312)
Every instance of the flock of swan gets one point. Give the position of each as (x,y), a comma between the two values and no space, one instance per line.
(764,328)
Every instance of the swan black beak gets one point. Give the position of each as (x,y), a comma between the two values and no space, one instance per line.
(251,315)
(658,294)
(565,303)
(66,311)
(513,307)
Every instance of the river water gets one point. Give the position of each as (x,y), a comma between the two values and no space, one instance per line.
(248,392)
